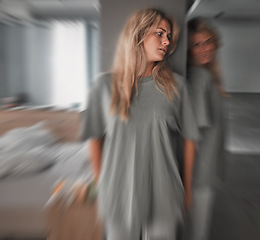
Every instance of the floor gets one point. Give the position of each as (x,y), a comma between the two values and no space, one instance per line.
(236,213)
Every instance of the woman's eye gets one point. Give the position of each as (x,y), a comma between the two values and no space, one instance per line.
(209,41)
(159,33)
(195,45)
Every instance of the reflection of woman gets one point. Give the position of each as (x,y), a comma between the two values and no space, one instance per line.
(134,117)
(206,94)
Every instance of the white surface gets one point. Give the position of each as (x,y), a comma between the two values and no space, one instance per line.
(26,138)
(26,150)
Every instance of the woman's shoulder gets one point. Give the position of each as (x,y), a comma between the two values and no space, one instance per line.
(102,81)
(103,78)
(199,75)
(179,79)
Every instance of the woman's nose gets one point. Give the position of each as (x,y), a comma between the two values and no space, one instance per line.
(205,48)
(166,41)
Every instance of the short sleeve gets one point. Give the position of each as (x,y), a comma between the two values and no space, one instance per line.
(94,117)
(187,122)
(199,88)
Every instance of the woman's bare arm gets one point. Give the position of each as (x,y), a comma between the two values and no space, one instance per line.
(189,153)
(95,149)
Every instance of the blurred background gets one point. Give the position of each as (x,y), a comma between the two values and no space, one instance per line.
(49,50)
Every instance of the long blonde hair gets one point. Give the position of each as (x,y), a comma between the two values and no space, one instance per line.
(198,25)
(130,60)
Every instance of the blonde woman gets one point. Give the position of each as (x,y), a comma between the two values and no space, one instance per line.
(135,116)
(206,92)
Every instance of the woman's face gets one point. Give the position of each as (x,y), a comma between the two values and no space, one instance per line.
(202,48)
(157,41)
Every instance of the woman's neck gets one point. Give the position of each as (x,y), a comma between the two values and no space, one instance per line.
(149,69)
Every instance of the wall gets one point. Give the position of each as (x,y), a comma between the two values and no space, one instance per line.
(15,59)
(93,47)
(240,54)
(3,84)
(25,62)
(39,64)
(12,61)
(113,17)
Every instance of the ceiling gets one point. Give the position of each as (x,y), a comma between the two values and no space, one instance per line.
(226,9)
(31,10)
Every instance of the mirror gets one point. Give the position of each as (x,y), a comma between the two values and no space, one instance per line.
(235,213)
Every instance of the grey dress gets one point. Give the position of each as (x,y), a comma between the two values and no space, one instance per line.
(208,109)
(140,176)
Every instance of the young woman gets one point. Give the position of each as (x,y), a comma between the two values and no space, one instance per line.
(135,116)
(206,92)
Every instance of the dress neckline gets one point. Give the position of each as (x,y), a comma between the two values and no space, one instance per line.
(146,79)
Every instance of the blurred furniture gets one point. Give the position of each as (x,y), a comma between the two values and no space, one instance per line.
(63,124)
(22,197)
(74,217)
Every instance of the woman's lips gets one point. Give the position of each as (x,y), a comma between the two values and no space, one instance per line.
(163,50)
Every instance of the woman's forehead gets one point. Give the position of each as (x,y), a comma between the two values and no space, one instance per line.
(201,36)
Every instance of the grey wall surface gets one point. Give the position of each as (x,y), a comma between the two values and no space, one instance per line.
(240,55)
(3,83)
(25,62)
(114,14)
(12,60)
(39,64)
(93,53)
(15,59)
